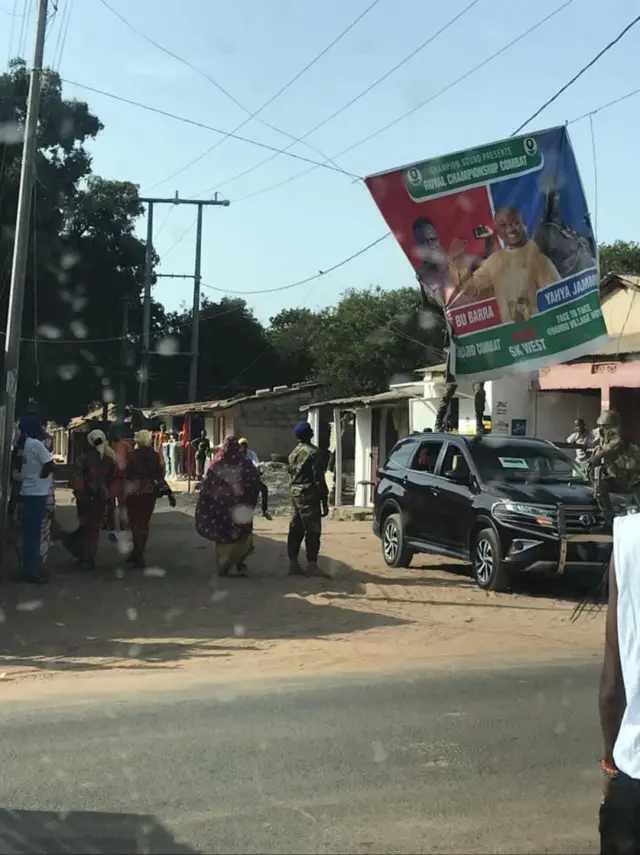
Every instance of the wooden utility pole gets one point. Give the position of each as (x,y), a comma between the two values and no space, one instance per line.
(196,276)
(19,267)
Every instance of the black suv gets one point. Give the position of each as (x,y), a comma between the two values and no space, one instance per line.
(505,504)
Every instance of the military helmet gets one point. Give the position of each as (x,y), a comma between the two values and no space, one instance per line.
(609,418)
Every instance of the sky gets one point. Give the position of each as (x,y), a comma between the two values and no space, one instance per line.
(252,48)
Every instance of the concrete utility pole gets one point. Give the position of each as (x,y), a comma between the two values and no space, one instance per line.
(19,267)
(146,323)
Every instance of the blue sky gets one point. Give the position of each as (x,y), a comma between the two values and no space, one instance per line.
(253,48)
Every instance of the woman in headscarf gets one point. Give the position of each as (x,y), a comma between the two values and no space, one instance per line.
(94,480)
(32,471)
(224,512)
(144,484)
(115,518)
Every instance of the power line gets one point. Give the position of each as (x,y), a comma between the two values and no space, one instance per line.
(579,74)
(315,276)
(196,124)
(604,107)
(252,115)
(417,107)
(354,100)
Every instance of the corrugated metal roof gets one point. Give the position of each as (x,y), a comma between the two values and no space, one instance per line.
(621,345)
(390,397)
(225,403)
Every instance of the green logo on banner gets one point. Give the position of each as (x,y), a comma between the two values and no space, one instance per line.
(472,168)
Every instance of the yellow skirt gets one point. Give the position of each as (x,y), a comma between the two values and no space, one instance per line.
(228,555)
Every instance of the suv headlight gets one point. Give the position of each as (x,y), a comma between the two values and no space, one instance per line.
(542,516)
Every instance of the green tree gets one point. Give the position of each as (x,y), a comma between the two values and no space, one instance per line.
(622,257)
(84,259)
(373,338)
(235,353)
(291,333)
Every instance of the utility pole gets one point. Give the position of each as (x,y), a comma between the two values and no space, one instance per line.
(124,352)
(146,320)
(146,323)
(195,325)
(19,266)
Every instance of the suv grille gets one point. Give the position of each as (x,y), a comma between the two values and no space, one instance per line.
(571,519)
(582,520)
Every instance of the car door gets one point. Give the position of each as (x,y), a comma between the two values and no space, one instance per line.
(453,501)
(419,492)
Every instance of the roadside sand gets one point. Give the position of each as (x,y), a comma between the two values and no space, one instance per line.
(173,619)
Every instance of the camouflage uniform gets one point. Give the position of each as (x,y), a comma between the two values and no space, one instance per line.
(309,493)
(479,401)
(619,462)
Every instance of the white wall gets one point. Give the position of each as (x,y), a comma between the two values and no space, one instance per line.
(313,417)
(422,414)
(512,397)
(362,461)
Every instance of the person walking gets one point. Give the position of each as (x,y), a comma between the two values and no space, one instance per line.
(264,490)
(619,696)
(309,502)
(226,502)
(35,479)
(94,481)
(144,483)
(202,448)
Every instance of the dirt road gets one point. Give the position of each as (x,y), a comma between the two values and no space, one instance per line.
(173,617)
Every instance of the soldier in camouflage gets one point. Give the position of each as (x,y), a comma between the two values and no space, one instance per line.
(479,402)
(309,501)
(619,462)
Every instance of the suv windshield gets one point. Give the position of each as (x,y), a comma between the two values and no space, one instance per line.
(510,461)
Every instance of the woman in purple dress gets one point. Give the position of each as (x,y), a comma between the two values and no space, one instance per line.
(224,512)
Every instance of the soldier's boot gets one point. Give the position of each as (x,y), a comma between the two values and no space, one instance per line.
(295,568)
(479,403)
(443,406)
(314,569)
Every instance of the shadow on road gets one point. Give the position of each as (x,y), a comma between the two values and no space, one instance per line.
(25,832)
(175,611)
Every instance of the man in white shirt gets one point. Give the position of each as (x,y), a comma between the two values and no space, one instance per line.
(35,477)
(582,438)
(264,492)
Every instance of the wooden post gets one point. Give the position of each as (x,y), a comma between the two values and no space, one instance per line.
(337,469)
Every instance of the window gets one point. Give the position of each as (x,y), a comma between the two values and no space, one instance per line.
(454,460)
(509,460)
(402,454)
(426,456)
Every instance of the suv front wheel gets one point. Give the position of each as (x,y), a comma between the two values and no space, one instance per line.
(488,567)
(395,551)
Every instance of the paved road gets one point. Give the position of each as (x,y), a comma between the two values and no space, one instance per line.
(500,762)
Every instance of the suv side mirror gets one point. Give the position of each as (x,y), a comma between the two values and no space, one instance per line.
(458,476)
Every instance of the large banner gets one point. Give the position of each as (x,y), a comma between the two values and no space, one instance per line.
(500,236)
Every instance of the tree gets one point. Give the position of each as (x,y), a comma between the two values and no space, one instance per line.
(291,333)
(622,257)
(84,259)
(235,354)
(373,338)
